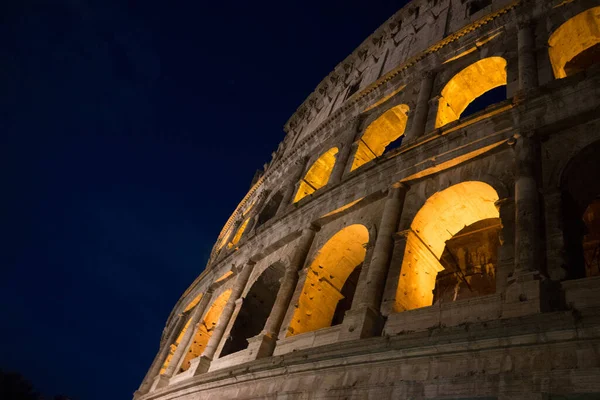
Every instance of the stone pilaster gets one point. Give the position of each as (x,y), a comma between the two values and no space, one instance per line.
(391,282)
(215,339)
(290,191)
(555,250)
(161,357)
(343,155)
(365,319)
(419,122)
(506,251)
(185,342)
(265,342)
(255,213)
(433,107)
(528,74)
(523,293)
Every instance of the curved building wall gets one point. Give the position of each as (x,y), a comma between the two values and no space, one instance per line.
(400,244)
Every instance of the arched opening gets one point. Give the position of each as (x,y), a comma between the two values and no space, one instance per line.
(317,175)
(255,310)
(581,213)
(381,135)
(451,248)
(270,209)
(575,45)
(468,85)
(325,284)
(239,233)
(205,329)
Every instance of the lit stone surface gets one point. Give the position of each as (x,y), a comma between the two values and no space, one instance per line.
(463,264)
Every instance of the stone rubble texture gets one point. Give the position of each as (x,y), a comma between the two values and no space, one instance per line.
(448,267)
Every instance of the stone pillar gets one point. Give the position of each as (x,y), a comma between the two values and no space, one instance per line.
(184,345)
(365,319)
(524,292)
(555,239)
(421,112)
(434,105)
(213,343)
(161,357)
(527,207)
(291,189)
(528,74)
(262,199)
(506,251)
(393,277)
(343,155)
(265,343)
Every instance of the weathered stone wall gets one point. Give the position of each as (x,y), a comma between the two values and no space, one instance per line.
(536,337)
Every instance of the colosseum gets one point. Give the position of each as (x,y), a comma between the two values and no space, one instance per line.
(429,228)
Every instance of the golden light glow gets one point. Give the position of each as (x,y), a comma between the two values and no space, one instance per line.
(325,278)
(224,238)
(573,37)
(384,98)
(467,85)
(173,347)
(193,303)
(318,174)
(342,208)
(224,276)
(380,133)
(239,233)
(441,217)
(469,50)
(205,329)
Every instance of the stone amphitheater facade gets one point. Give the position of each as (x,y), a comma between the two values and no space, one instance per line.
(400,246)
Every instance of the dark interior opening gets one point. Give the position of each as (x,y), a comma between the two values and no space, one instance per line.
(347,291)
(270,209)
(255,310)
(583,60)
(469,260)
(353,89)
(394,145)
(478,5)
(581,214)
(490,97)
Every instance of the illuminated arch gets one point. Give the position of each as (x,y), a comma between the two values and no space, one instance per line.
(379,134)
(318,174)
(204,332)
(326,276)
(467,85)
(442,216)
(571,39)
(239,233)
(205,329)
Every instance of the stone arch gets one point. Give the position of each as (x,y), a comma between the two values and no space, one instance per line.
(255,309)
(270,209)
(467,85)
(575,44)
(205,329)
(580,189)
(326,276)
(317,175)
(387,128)
(463,208)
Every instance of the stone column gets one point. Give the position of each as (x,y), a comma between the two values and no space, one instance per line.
(391,283)
(421,112)
(555,239)
(506,251)
(343,155)
(161,357)
(265,343)
(365,319)
(291,188)
(213,343)
(527,207)
(528,74)
(262,199)
(434,105)
(184,345)
(523,293)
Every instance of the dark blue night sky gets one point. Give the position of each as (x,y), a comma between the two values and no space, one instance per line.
(129,131)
